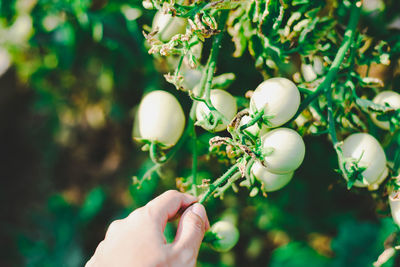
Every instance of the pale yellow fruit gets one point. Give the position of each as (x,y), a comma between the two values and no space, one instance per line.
(161,118)
(365,148)
(224,102)
(168,26)
(227,234)
(278,97)
(271,181)
(283,150)
(386,97)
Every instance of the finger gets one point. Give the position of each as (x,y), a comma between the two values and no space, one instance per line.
(190,233)
(167,205)
(90,263)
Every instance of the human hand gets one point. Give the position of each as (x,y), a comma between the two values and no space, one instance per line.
(138,240)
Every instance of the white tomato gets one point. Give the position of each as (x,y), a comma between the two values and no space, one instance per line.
(382,178)
(161,118)
(386,97)
(366,149)
(227,236)
(191,78)
(271,181)
(278,97)
(283,150)
(168,26)
(224,102)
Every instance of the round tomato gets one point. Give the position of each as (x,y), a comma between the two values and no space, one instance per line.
(168,26)
(365,149)
(270,181)
(227,236)
(283,150)
(386,98)
(224,102)
(278,97)
(161,118)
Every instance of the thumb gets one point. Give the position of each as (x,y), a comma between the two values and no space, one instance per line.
(190,232)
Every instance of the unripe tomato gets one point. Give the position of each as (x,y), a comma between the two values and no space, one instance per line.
(197,50)
(382,178)
(286,150)
(254,129)
(386,97)
(191,78)
(168,26)
(394,202)
(278,97)
(224,102)
(271,181)
(365,148)
(227,236)
(161,118)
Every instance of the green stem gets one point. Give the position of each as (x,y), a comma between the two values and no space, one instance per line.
(205,84)
(194,161)
(331,119)
(208,74)
(253,121)
(228,184)
(337,62)
(178,69)
(154,154)
(347,42)
(217,183)
(332,133)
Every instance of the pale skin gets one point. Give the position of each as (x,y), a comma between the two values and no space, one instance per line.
(138,240)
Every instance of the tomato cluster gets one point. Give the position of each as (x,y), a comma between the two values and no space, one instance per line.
(264,148)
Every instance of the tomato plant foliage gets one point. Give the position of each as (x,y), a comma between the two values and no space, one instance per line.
(335,59)
(318,45)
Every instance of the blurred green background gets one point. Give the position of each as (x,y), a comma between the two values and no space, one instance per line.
(71,74)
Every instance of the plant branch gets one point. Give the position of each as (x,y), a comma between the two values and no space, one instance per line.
(217,183)
(337,62)
(204,84)
(209,70)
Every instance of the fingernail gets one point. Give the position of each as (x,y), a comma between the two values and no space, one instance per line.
(200,211)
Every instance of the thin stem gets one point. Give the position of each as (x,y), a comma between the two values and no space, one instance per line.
(178,69)
(208,74)
(337,62)
(252,121)
(217,183)
(228,184)
(205,80)
(332,133)
(194,162)
(154,154)
(331,119)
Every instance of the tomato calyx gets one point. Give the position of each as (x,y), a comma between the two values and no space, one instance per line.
(222,236)
(353,171)
(211,119)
